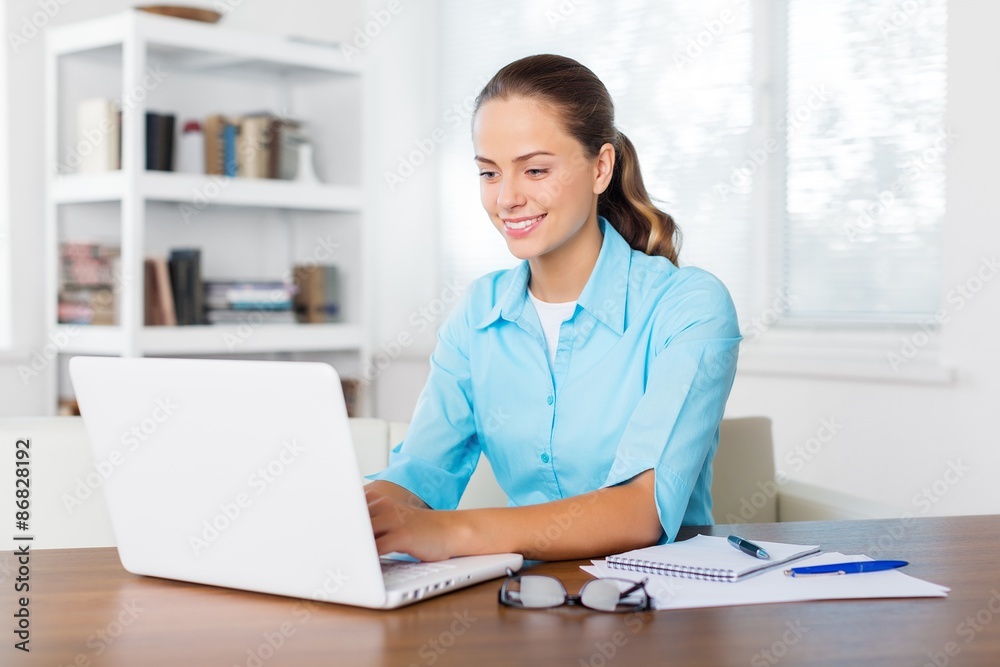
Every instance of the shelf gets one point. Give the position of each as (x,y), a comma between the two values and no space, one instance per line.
(200,191)
(215,339)
(193,46)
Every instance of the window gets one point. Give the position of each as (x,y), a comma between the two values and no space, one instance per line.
(771,131)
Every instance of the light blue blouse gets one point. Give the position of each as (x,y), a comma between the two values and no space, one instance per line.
(641,376)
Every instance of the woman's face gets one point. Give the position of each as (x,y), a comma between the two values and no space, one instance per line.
(536,182)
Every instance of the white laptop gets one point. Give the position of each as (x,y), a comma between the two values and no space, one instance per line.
(243,474)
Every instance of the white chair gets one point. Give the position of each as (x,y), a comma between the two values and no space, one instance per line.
(743,486)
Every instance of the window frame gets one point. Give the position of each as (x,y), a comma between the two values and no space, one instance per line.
(799,347)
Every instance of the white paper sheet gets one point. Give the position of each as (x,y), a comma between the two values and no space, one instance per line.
(776,586)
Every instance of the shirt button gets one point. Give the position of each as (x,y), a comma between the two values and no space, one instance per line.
(550,400)
(545,458)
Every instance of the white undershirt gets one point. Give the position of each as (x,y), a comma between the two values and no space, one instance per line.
(552,315)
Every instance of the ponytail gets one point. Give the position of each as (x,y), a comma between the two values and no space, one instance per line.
(588,115)
(627,205)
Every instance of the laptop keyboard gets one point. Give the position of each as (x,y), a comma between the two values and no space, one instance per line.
(396,572)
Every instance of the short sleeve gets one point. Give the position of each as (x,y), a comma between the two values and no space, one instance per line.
(674,428)
(441,449)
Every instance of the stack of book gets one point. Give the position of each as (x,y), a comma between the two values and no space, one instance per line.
(89,283)
(235,301)
(256,145)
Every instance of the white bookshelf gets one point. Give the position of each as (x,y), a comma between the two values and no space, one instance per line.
(259,227)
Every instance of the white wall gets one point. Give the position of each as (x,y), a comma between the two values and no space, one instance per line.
(332,21)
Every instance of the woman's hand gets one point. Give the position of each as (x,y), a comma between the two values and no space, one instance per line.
(406,525)
(606,521)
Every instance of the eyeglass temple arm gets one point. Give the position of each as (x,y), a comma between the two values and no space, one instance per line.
(638,585)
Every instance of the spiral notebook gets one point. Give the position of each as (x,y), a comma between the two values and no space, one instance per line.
(708,558)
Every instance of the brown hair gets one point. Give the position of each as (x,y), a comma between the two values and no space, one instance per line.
(589,116)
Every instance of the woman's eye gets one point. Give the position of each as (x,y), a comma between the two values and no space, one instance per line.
(487,174)
(537,172)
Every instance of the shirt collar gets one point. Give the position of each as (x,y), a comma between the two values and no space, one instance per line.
(603,296)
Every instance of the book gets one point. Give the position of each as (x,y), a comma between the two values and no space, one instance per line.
(185,281)
(159,141)
(98,135)
(253,146)
(230,163)
(707,558)
(214,160)
(159,299)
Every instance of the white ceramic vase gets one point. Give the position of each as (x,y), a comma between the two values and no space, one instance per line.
(307,170)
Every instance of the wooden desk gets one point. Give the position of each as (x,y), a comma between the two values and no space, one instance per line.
(77,594)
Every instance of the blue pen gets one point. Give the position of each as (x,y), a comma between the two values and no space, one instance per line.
(845,568)
(748,547)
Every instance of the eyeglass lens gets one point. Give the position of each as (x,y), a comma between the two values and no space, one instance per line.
(540,592)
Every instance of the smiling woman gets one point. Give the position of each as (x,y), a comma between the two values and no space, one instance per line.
(593,376)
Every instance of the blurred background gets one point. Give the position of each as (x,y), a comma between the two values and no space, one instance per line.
(832,163)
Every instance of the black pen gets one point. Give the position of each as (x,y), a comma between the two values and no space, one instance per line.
(748,547)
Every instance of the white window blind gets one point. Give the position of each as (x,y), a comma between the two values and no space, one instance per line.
(865,195)
(857,111)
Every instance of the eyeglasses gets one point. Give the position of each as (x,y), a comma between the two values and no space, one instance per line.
(543,592)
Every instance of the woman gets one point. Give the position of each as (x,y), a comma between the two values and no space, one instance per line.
(593,376)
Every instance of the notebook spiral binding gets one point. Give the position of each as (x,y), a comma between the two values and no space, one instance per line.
(650,567)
